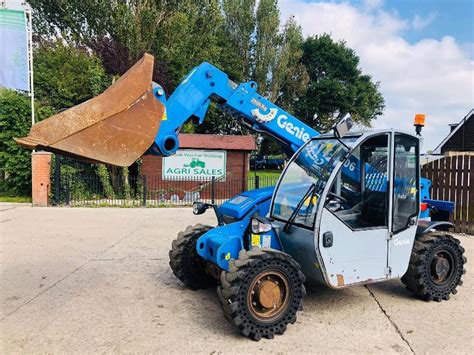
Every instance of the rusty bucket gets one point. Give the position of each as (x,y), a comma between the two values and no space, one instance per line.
(116,127)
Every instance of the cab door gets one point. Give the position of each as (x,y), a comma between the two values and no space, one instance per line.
(354,228)
(405,202)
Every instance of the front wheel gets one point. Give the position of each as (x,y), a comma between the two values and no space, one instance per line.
(262,292)
(186,263)
(436,266)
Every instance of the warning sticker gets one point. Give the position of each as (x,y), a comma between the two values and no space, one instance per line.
(256,240)
(267,241)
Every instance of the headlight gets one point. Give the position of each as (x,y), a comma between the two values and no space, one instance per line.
(260,227)
(199,208)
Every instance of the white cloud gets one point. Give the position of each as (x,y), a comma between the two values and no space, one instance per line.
(372,4)
(435,77)
(419,22)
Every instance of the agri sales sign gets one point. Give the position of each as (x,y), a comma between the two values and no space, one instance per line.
(195,164)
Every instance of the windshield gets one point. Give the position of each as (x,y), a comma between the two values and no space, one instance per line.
(312,166)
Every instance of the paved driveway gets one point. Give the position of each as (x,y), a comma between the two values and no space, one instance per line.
(97,280)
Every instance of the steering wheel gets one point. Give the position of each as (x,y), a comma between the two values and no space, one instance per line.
(337,197)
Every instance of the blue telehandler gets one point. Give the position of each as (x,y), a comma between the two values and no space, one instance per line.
(350,208)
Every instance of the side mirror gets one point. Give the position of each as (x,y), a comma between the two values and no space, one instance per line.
(341,129)
(199,207)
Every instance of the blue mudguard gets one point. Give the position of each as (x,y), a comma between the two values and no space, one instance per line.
(223,243)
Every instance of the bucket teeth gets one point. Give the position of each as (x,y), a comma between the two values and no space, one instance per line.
(116,127)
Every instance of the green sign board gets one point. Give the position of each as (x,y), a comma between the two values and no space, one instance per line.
(195,164)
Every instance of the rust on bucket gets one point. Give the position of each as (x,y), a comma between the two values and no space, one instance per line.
(116,127)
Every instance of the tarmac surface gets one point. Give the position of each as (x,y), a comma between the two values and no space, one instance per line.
(98,280)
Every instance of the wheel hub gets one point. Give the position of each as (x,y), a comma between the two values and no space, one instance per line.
(441,267)
(268,295)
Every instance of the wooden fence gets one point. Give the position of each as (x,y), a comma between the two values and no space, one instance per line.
(453,180)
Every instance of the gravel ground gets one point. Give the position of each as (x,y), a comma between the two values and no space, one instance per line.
(98,280)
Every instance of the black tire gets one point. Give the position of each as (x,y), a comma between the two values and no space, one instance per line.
(436,266)
(234,292)
(186,263)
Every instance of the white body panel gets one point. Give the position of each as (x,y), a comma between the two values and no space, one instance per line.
(400,247)
(355,256)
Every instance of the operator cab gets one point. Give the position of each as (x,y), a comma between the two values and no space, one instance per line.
(350,206)
(358,196)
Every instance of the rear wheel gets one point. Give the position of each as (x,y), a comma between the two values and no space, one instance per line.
(262,292)
(436,266)
(186,263)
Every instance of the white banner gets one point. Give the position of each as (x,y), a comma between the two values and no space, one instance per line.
(14,72)
(195,164)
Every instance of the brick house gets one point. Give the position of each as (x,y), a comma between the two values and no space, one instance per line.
(201,159)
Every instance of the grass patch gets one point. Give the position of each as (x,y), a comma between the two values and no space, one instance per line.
(17,199)
(266,173)
(267,178)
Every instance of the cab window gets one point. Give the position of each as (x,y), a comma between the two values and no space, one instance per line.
(358,196)
(405,186)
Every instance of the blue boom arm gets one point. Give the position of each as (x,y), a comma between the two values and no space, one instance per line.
(205,83)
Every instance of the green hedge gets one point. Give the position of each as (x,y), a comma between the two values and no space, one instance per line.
(15,161)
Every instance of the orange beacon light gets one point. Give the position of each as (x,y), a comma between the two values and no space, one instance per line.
(419,123)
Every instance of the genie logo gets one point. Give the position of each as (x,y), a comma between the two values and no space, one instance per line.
(400,242)
(264,117)
(296,131)
(282,122)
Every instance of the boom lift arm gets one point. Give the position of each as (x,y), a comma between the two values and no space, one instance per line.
(205,83)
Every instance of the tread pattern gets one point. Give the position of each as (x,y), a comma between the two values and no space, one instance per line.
(184,260)
(417,278)
(234,285)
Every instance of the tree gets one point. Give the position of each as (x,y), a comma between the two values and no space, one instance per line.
(337,86)
(267,41)
(15,161)
(66,76)
(180,34)
(289,78)
(237,37)
(256,48)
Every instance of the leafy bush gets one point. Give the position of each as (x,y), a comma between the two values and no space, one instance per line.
(15,121)
(66,76)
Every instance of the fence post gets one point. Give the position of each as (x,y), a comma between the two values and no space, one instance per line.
(144,190)
(68,191)
(57,179)
(213,185)
(257,181)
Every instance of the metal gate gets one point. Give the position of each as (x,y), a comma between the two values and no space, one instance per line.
(75,183)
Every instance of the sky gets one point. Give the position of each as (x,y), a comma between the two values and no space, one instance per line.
(421,52)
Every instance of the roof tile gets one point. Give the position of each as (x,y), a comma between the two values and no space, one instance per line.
(215,141)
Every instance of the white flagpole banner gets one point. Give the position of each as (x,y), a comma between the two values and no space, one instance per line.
(14,73)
